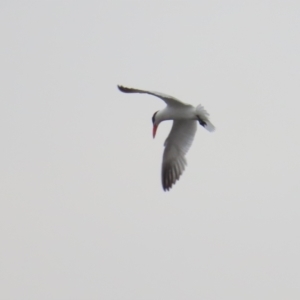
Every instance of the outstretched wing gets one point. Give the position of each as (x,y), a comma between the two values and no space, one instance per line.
(169,100)
(177,145)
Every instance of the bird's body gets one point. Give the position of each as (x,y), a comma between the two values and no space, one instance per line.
(177,144)
(186,112)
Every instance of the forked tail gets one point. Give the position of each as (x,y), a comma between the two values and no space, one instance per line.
(202,116)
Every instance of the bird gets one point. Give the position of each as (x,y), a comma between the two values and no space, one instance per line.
(185,118)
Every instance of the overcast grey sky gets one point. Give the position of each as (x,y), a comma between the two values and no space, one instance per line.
(82,211)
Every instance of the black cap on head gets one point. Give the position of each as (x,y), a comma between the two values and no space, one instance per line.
(153,117)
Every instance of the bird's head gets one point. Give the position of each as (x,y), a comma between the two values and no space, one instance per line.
(155,122)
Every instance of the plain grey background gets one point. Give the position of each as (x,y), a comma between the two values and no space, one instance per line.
(82,211)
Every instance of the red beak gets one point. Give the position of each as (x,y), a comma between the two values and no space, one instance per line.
(154,130)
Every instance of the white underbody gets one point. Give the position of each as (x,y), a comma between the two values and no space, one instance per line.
(173,113)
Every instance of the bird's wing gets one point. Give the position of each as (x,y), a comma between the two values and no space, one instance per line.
(169,100)
(177,145)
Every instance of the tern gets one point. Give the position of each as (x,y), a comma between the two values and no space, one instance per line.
(185,118)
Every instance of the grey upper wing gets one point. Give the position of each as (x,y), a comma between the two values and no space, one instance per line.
(169,100)
(177,145)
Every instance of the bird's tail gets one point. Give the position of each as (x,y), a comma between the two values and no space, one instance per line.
(203,119)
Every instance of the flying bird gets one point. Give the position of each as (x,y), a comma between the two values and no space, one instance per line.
(179,141)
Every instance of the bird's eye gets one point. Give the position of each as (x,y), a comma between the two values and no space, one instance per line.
(153,117)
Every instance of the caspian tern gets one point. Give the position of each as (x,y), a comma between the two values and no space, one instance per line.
(177,144)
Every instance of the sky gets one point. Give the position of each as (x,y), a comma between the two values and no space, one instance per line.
(82,211)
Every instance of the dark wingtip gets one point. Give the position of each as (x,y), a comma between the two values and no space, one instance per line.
(166,188)
(167,182)
(123,89)
(171,173)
